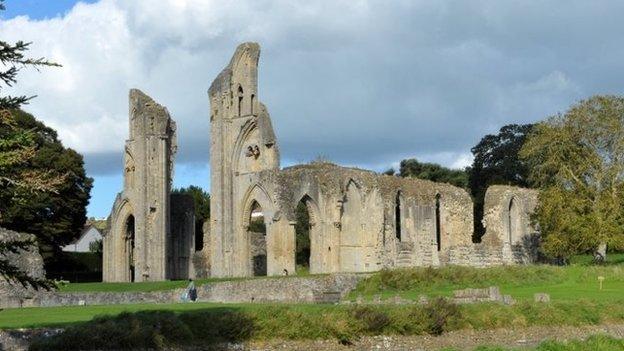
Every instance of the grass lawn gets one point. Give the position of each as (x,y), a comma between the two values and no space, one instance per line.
(576,300)
(569,283)
(59,316)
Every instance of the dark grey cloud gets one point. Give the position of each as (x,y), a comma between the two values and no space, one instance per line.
(359,82)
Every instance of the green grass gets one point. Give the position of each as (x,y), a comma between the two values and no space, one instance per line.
(568,283)
(139,286)
(140,325)
(594,343)
(587,260)
(576,300)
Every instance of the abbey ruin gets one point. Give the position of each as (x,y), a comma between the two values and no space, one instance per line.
(144,241)
(359,221)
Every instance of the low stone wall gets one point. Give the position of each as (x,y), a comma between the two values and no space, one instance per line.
(319,289)
(330,288)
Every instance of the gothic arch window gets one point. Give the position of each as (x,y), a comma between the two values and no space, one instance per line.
(240,99)
(397,215)
(303,227)
(256,231)
(253,98)
(438,230)
(129,230)
(513,221)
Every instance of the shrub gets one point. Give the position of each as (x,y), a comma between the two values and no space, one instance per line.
(218,326)
(374,320)
(148,330)
(440,313)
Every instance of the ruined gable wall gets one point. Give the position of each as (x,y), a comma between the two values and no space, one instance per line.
(242,143)
(148,166)
(507,221)
(361,221)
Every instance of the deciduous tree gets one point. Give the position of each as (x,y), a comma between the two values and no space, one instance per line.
(496,161)
(577,160)
(433,172)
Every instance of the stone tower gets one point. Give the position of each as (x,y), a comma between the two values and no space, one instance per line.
(242,142)
(138,245)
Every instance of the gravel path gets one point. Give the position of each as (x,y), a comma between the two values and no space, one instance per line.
(461,340)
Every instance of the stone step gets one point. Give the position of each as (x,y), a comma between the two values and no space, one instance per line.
(327,297)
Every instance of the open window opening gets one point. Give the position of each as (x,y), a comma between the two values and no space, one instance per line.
(302,236)
(257,237)
(129,238)
(437,222)
(397,215)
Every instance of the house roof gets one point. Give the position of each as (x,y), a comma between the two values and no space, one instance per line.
(84,231)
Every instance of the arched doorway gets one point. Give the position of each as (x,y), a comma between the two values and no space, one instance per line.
(129,247)
(256,232)
(303,227)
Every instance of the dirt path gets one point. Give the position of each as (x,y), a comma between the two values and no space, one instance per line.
(461,340)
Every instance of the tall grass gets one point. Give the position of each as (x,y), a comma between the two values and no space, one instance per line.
(430,278)
(162,329)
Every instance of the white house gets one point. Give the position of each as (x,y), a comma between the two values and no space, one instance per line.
(88,235)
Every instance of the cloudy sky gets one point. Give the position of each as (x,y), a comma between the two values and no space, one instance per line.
(364,83)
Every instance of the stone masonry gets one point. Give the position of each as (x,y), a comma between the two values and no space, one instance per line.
(28,260)
(359,221)
(150,232)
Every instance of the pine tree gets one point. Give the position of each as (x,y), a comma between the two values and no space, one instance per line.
(17,147)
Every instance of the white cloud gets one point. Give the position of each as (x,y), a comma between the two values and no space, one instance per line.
(361,82)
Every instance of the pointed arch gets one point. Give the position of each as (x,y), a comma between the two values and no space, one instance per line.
(239,95)
(257,204)
(256,193)
(307,233)
(398,216)
(122,242)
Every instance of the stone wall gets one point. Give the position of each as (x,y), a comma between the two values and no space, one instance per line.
(139,244)
(361,221)
(323,289)
(508,225)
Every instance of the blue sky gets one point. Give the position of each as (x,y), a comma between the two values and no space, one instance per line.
(38,9)
(360,82)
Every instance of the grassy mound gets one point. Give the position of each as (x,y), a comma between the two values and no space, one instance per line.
(563,283)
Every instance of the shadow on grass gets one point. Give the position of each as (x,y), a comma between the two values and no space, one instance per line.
(209,329)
